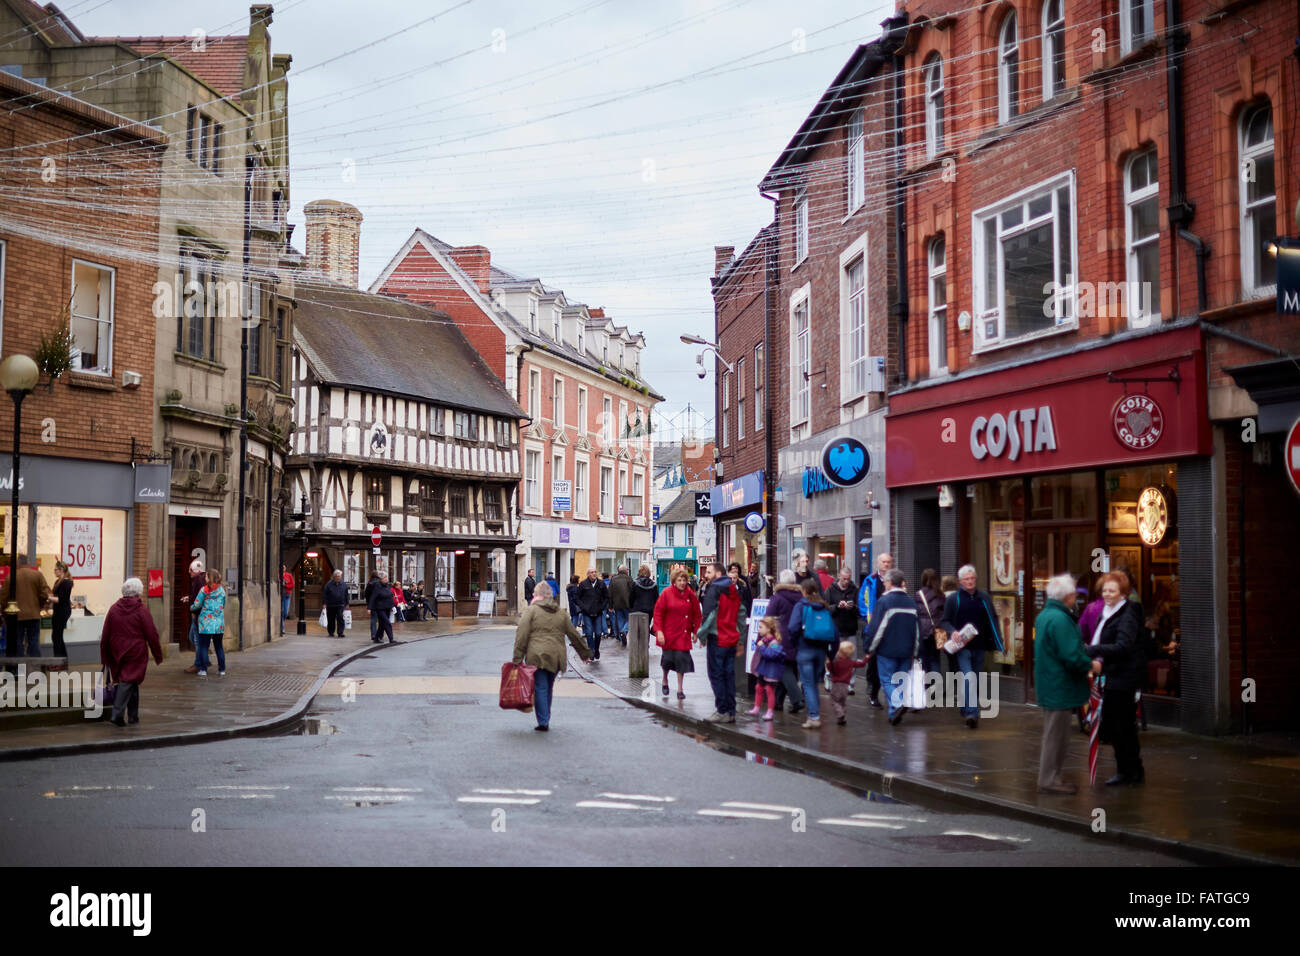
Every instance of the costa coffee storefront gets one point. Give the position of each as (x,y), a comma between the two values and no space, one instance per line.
(1093,460)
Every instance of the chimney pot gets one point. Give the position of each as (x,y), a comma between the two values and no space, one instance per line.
(334,241)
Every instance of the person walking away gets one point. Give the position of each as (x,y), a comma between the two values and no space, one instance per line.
(724,620)
(645,594)
(873,588)
(842,598)
(929,611)
(593,599)
(61,595)
(334,597)
(539,642)
(893,640)
(530,586)
(784,597)
(1115,641)
(198,578)
(1061,669)
(286,595)
(381,608)
(620,599)
(771,666)
(31,593)
(676,622)
(125,643)
(575,612)
(210,606)
(969,605)
(841,667)
(812,626)
(824,577)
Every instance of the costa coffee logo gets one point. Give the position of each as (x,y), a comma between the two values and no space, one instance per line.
(1138,422)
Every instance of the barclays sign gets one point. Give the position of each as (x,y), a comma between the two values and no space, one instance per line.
(815,482)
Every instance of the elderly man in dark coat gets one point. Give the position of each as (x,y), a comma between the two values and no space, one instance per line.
(129,636)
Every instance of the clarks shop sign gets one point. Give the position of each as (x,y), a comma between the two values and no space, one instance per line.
(153,483)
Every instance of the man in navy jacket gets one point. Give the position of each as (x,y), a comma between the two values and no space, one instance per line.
(894,638)
(968,605)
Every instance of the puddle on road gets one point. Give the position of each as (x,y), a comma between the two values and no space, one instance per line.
(731,750)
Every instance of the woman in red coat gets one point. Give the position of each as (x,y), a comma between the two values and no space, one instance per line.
(676,619)
(128,637)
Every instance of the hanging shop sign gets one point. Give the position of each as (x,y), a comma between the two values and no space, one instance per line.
(754,522)
(1288,279)
(1139,421)
(1292,452)
(845,461)
(1153,516)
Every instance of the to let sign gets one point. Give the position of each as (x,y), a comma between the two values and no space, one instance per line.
(82,540)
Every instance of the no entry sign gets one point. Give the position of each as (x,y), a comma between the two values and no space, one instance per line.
(1292,452)
(375,536)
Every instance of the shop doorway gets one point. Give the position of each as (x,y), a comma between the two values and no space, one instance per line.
(1051,549)
(191,539)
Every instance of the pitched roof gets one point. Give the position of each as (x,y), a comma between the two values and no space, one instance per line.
(682,508)
(382,344)
(221,63)
(48,20)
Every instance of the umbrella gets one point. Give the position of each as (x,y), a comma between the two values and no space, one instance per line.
(1094,726)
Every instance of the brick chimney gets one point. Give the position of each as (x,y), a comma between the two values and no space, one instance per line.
(334,241)
(475,262)
(722,257)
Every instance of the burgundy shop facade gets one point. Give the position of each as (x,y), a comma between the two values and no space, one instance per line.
(1099,458)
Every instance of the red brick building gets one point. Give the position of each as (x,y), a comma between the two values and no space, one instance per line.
(1091,321)
(63,257)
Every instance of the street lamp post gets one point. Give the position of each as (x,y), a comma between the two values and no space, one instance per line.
(18,376)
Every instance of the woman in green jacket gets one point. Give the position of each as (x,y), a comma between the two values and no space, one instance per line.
(1061,668)
(539,642)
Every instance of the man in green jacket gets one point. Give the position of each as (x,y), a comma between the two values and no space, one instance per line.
(1061,668)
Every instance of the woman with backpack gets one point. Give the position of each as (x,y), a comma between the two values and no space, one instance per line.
(812,626)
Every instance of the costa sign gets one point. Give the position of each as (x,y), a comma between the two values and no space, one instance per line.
(1027,430)
(1139,422)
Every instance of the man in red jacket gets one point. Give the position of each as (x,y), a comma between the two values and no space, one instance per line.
(720,605)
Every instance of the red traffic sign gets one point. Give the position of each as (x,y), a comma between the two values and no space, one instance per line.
(1292,452)
(375,536)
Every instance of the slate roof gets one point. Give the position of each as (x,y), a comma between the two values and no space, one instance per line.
(221,64)
(382,344)
(48,19)
(682,508)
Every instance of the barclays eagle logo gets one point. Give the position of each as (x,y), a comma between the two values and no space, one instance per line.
(847,461)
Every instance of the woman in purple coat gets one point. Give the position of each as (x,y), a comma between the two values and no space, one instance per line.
(125,643)
(784,597)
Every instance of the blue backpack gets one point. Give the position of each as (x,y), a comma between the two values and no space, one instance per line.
(818,625)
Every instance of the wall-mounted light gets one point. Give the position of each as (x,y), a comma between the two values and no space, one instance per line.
(1282,243)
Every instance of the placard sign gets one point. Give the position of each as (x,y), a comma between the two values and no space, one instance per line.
(487,601)
(82,541)
(756,615)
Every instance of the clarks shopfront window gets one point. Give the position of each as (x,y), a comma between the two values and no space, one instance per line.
(1075,464)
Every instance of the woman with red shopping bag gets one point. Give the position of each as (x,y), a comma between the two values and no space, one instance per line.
(539,642)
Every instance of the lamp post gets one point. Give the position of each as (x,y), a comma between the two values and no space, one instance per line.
(18,376)
(301,517)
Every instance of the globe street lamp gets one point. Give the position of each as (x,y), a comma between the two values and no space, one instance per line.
(18,376)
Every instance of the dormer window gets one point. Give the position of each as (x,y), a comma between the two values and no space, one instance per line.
(555,323)
(532,315)
(582,338)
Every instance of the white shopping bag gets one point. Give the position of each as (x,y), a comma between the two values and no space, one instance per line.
(914,688)
(347,618)
(324,618)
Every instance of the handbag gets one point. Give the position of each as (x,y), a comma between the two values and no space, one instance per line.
(934,628)
(347,618)
(517,686)
(324,618)
(107,693)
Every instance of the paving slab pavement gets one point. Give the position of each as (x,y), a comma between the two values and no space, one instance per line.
(1224,800)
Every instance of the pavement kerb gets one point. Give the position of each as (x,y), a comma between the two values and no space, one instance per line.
(278,722)
(926,793)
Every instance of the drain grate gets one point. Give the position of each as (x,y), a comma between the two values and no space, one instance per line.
(279,685)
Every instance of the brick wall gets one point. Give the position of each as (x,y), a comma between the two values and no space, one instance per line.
(740,317)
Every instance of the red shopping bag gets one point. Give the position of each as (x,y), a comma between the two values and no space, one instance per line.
(517,686)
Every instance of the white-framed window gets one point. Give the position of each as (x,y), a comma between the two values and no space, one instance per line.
(621,490)
(557,472)
(938,276)
(726,409)
(535,393)
(854,326)
(555,323)
(580,467)
(1137,23)
(604,349)
(1024,263)
(557,402)
(689,535)
(1053,49)
(856,174)
(582,335)
(533,480)
(1258,201)
(740,399)
(1008,69)
(934,106)
(1142,238)
(2,289)
(606,419)
(800,352)
(800,227)
(92,316)
(606,493)
(532,314)
(669,536)
(760,375)
(582,410)
(638,489)
(622,421)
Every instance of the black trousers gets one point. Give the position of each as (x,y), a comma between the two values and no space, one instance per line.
(334,621)
(382,625)
(126,697)
(789,686)
(1119,729)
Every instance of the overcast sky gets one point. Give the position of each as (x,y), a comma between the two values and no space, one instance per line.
(605,146)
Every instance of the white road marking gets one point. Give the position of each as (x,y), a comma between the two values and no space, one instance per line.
(378,789)
(108,787)
(244,787)
(613,805)
(638,796)
(520,801)
(525,793)
(872,824)
(986,836)
(344,796)
(241,796)
(777,808)
(55,795)
(738,814)
(886,816)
